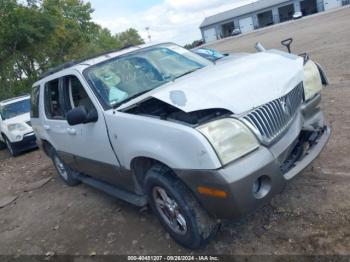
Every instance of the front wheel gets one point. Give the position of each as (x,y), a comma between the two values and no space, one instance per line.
(178,211)
(2,145)
(63,171)
(10,147)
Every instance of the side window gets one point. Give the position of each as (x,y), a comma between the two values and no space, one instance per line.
(76,94)
(53,106)
(34,99)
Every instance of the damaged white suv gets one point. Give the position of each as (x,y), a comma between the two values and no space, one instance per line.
(198,141)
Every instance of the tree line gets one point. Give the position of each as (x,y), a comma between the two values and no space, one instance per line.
(36,35)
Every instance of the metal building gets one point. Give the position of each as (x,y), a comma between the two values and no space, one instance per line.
(260,14)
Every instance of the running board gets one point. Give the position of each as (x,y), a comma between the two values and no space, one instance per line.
(131,198)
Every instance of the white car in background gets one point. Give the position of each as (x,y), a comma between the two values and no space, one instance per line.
(15,127)
(297,15)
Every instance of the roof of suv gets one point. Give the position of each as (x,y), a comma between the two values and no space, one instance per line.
(14,99)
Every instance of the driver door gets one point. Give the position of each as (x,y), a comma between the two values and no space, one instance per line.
(85,147)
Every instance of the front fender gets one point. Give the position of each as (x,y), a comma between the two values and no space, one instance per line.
(176,145)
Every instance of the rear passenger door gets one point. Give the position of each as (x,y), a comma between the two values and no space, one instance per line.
(84,147)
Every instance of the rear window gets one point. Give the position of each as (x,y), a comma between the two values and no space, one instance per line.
(34,99)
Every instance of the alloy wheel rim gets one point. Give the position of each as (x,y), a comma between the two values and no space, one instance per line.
(169,210)
(61,168)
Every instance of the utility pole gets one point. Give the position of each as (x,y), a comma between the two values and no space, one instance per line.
(149,35)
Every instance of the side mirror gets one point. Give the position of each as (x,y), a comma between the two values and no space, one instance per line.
(79,115)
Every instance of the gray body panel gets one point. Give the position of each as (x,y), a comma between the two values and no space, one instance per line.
(238,177)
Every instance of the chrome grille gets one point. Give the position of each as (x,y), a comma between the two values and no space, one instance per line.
(269,121)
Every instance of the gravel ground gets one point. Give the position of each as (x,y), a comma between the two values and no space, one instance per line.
(312,216)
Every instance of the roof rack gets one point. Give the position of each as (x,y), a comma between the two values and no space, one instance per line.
(69,64)
(51,71)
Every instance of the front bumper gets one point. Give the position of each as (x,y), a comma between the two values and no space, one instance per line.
(28,142)
(252,181)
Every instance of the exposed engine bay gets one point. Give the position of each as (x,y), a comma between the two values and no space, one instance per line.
(304,144)
(159,109)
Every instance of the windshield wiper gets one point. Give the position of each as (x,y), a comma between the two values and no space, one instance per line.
(186,73)
(130,98)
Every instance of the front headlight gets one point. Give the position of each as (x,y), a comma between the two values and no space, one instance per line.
(230,138)
(312,80)
(18,126)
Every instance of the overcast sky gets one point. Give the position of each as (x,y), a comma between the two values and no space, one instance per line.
(169,20)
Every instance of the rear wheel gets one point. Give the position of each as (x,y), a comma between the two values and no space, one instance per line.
(178,211)
(63,171)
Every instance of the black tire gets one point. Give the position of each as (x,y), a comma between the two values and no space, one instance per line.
(65,173)
(2,145)
(199,227)
(13,152)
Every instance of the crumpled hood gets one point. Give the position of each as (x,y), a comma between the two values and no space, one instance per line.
(237,84)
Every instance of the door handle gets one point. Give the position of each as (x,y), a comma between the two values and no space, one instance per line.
(71,131)
(47,127)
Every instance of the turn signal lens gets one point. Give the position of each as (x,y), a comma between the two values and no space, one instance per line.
(212,192)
